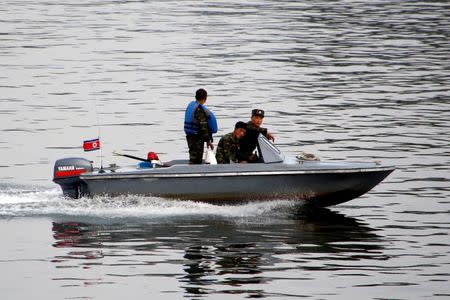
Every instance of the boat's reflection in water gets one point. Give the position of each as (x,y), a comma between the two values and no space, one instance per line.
(212,254)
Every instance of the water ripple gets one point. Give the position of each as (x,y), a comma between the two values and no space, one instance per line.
(353,80)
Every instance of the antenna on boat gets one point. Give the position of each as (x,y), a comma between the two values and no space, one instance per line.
(99,137)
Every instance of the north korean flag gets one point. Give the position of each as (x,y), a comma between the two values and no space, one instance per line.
(91,145)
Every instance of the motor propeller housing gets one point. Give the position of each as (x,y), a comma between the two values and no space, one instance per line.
(67,173)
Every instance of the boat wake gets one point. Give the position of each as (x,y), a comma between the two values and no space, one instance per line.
(21,201)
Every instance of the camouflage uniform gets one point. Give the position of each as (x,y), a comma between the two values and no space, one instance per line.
(227,149)
(249,141)
(197,141)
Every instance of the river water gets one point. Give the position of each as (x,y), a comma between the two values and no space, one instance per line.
(346,80)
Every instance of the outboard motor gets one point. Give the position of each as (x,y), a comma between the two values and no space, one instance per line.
(67,173)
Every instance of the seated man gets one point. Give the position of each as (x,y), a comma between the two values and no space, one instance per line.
(250,140)
(228,146)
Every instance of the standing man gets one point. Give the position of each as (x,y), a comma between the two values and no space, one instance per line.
(199,126)
(250,140)
(228,147)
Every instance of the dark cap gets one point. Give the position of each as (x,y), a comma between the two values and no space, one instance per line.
(258,112)
(200,95)
(240,124)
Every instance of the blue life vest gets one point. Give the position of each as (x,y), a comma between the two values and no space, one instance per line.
(191,123)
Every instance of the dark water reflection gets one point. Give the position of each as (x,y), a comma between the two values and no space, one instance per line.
(219,255)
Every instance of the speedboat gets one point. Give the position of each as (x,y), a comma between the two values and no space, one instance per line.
(318,183)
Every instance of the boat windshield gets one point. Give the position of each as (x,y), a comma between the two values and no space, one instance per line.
(268,152)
